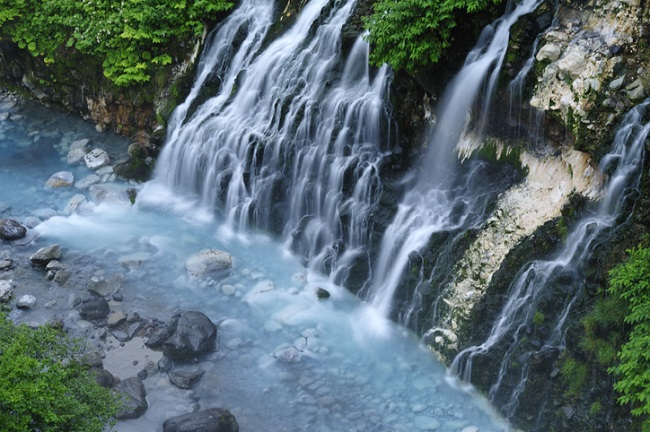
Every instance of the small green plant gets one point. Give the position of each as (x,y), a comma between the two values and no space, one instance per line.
(574,373)
(43,385)
(630,281)
(538,318)
(410,34)
(595,408)
(131,37)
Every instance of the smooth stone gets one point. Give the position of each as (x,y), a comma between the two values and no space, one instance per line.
(207,262)
(26,302)
(87,181)
(75,156)
(96,159)
(60,179)
(79,144)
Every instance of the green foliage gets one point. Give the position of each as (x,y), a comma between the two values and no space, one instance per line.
(630,281)
(574,374)
(409,34)
(44,387)
(603,328)
(132,37)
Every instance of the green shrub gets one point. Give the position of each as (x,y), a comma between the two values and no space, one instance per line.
(631,282)
(43,385)
(131,37)
(409,34)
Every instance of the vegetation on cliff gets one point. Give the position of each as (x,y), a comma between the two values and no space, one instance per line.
(131,37)
(630,281)
(411,34)
(44,386)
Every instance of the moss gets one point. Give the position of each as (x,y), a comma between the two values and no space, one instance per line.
(538,319)
(574,374)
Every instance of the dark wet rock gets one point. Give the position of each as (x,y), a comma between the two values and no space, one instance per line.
(11,230)
(322,293)
(195,334)
(93,307)
(209,420)
(92,359)
(134,402)
(46,254)
(159,334)
(185,379)
(165,364)
(102,377)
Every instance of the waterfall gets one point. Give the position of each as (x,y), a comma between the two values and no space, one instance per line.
(527,290)
(292,141)
(445,198)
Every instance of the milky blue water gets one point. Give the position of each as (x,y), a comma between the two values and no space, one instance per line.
(286,361)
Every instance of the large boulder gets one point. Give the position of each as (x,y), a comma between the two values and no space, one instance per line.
(194,335)
(133,395)
(209,420)
(93,307)
(208,262)
(11,230)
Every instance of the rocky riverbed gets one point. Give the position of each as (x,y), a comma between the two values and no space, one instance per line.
(187,318)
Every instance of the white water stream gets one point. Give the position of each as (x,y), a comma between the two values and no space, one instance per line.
(527,290)
(446,196)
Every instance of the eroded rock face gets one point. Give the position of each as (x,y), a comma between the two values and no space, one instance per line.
(591,70)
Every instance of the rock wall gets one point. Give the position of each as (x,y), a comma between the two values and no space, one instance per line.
(76,83)
(590,67)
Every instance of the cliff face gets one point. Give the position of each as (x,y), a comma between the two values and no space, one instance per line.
(589,67)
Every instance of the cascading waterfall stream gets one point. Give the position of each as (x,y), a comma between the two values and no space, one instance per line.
(287,145)
(527,290)
(443,198)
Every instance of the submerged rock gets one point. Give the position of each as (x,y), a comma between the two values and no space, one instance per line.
(11,230)
(60,179)
(208,262)
(185,379)
(96,159)
(46,254)
(210,420)
(93,307)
